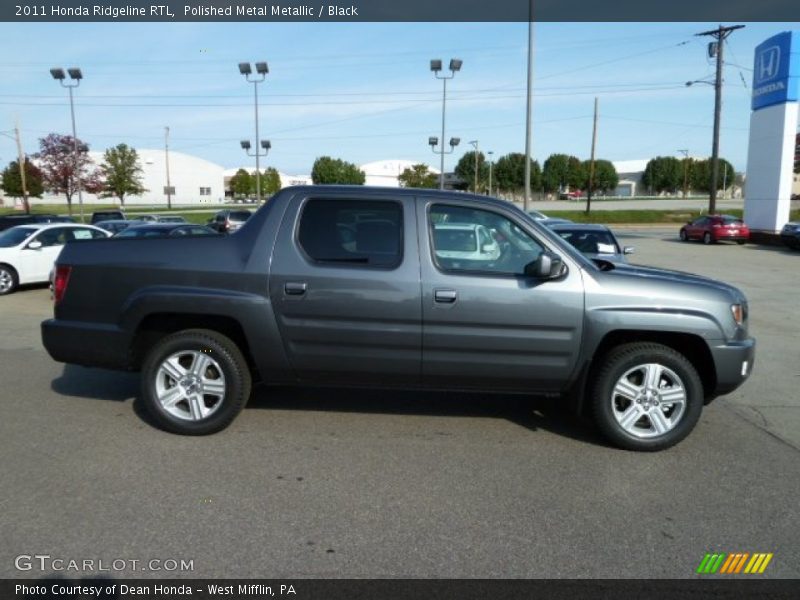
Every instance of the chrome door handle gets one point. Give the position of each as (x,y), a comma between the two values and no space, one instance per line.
(295,288)
(445,296)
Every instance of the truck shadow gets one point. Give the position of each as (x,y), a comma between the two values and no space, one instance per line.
(530,412)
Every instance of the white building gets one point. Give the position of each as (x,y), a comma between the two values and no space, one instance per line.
(384,173)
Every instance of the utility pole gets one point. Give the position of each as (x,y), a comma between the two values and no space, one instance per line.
(685,153)
(529,110)
(591,162)
(166,156)
(474,144)
(22,164)
(720,34)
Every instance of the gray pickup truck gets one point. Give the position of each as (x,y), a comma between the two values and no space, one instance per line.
(415,289)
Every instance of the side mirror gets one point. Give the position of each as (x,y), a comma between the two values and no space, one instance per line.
(35,245)
(547,266)
(628,250)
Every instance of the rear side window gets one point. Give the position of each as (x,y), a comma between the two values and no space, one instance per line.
(367,233)
(239,215)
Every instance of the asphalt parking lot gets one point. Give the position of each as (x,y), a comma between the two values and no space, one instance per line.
(310,483)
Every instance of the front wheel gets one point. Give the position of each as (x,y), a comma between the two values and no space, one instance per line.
(195,382)
(684,236)
(646,396)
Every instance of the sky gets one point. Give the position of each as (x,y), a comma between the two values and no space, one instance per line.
(364,92)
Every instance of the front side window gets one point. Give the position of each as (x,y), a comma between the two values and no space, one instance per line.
(355,232)
(57,236)
(482,241)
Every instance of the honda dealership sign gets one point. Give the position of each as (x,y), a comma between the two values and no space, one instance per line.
(776,72)
(773,131)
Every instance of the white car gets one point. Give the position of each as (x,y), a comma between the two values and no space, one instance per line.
(465,241)
(27,252)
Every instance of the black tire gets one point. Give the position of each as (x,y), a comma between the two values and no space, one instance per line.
(683,235)
(707,238)
(740,242)
(234,368)
(626,357)
(9,281)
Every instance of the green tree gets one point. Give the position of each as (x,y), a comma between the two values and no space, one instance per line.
(122,173)
(12,182)
(327,170)
(417,176)
(509,173)
(241,183)
(663,174)
(465,170)
(563,170)
(271,181)
(605,176)
(701,171)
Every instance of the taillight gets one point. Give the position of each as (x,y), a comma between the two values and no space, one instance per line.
(60,282)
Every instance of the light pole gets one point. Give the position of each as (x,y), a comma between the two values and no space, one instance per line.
(685,153)
(436,67)
(490,153)
(717,85)
(76,76)
(262,69)
(266,145)
(433,141)
(474,144)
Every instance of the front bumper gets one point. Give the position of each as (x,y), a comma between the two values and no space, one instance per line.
(87,344)
(733,362)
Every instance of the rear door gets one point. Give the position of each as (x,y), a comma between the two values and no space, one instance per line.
(345,287)
(485,324)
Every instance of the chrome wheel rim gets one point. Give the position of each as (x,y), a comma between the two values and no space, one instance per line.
(190,385)
(6,281)
(648,401)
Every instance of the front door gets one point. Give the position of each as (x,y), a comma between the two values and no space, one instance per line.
(345,287)
(486,325)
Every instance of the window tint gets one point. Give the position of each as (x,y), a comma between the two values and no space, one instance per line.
(591,242)
(57,236)
(349,231)
(729,220)
(504,248)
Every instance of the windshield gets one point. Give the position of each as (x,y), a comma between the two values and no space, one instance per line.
(590,242)
(15,236)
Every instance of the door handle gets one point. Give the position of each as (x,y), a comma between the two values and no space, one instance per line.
(295,288)
(445,296)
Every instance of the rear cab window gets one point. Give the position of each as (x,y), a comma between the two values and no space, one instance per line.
(358,233)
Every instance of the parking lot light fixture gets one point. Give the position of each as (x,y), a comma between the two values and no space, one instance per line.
(436,67)
(266,144)
(262,69)
(76,76)
(433,140)
(245,144)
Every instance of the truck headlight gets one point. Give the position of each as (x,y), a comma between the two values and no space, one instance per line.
(738,313)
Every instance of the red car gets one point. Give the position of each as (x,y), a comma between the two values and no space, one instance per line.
(716,228)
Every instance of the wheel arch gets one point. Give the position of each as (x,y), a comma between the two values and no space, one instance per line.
(692,346)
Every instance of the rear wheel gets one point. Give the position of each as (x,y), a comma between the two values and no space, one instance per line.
(646,396)
(740,242)
(707,238)
(195,382)
(8,280)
